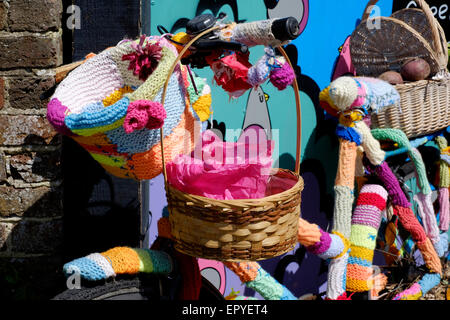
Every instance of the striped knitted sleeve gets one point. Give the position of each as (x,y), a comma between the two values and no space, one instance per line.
(366,220)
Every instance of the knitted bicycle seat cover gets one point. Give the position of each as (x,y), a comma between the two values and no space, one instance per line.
(111,106)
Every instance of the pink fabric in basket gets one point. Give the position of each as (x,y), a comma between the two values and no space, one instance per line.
(223,170)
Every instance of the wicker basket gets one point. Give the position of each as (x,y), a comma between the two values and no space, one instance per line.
(236,230)
(408,33)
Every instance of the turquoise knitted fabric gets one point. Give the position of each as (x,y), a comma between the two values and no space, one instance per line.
(269,288)
(104,117)
(429,281)
(87,269)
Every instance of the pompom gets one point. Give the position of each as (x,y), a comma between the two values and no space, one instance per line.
(282,77)
(343,92)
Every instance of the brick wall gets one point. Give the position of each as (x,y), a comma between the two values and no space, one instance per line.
(30,173)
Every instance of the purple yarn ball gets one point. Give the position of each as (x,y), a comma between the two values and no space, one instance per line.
(282,77)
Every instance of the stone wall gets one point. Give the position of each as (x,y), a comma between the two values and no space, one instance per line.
(31,224)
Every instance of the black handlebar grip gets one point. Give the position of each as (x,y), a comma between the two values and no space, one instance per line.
(200,23)
(285,29)
(209,45)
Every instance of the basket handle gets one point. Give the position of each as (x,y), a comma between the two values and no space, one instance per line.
(438,45)
(296,93)
(439,48)
(368,9)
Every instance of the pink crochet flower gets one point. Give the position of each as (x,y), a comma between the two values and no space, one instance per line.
(144,114)
(144,60)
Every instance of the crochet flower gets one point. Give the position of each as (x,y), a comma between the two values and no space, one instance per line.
(145,58)
(144,114)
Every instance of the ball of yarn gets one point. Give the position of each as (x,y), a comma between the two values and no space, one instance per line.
(282,77)
(343,92)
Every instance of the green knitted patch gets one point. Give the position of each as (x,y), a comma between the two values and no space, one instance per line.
(146,264)
(363,236)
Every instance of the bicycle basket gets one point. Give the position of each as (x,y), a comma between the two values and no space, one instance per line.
(92,103)
(237,230)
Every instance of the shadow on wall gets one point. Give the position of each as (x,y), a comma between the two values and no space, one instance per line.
(99,212)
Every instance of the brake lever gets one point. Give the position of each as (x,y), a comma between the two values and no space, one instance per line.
(203,48)
(214,45)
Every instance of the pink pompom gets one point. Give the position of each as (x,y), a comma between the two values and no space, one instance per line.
(144,114)
(282,77)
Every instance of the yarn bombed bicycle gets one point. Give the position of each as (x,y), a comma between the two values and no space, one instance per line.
(98,123)
(350,245)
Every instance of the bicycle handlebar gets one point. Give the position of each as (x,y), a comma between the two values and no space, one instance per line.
(235,37)
(271,32)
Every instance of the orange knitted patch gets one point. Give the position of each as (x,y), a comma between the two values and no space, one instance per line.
(183,38)
(246,271)
(357,272)
(430,256)
(308,234)
(124,260)
(96,139)
(346,167)
(147,165)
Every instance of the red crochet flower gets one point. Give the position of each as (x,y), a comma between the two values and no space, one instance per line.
(144,60)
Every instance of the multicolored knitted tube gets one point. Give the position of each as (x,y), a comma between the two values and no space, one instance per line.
(342,96)
(119,260)
(259,280)
(444,184)
(260,71)
(407,218)
(323,244)
(365,223)
(423,198)
(343,205)
(421,288)
(402,208)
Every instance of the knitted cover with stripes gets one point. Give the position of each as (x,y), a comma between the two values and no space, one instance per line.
(352,99)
